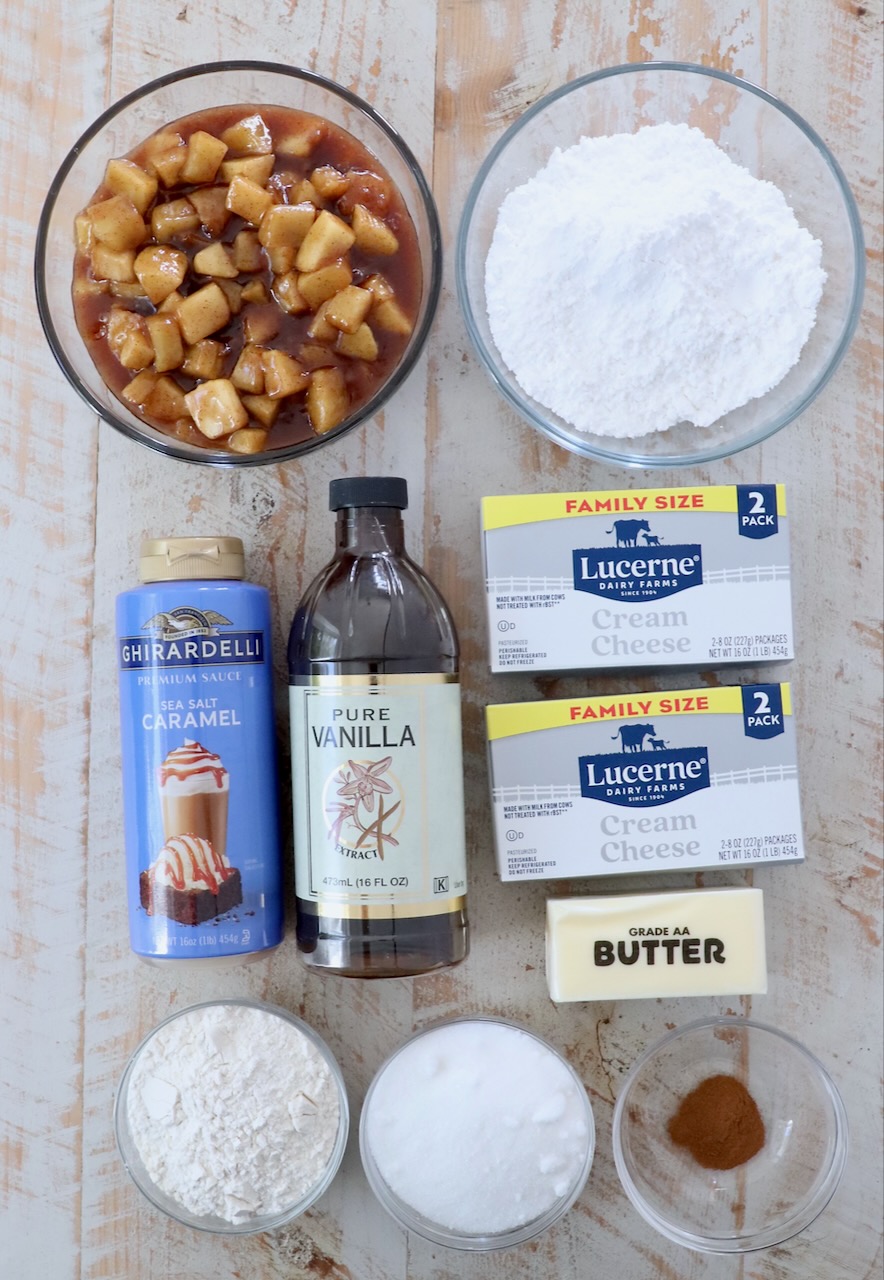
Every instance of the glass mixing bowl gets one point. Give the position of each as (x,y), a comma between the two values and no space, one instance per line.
(772,1196)
(250,1225)
(133,119)
(756,131)
(449,1045)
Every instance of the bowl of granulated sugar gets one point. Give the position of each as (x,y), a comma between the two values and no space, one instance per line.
(660,264)
(232,1117)
(477,1134)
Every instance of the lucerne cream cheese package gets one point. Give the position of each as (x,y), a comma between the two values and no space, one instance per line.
(667,781)
(637,578)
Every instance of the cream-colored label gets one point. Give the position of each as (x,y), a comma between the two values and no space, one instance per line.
(377,786)
(701,942)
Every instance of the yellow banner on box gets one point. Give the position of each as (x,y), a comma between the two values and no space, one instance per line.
(505,720)
(531,508)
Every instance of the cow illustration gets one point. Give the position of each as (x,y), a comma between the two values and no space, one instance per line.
(658,744)
(633,735)
(627,531)
(651,540)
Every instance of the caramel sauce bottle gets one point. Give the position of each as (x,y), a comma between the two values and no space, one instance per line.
(377,769)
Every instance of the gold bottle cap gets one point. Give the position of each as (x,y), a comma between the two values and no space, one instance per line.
(167,559)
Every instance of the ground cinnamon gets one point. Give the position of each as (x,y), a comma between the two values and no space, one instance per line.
(719,1123)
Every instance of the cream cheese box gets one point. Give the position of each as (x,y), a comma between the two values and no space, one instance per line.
(699,942)
(666,781)
(638,578)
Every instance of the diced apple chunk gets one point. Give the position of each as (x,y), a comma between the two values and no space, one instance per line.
(316,286)
(248,372)
(113,264)
(260,323)
(347,310)
(247,440)
(319,328)
(286,224)
(258,168)
(204,154)
(262,408)
(254,291)
(329,181)
(124,178)
(233,293)
(167,165)
(203,312)
(174,218)
(170,303)
(328,238)
(389,315)
(119,325)
(248,199)
(250,135)
(205,359)
(160,270)
(312,355)
(327,399)
(136,349)
(168,349)
(302,140)
(211,205)
(379,287)
(83,233)
(283,375)
(216,408)
(215,260)
(361,345)
(281,258)
(117,223)
(125,289)
(288,295)
(372,233)
(166,401)
(137,391)
(247,255)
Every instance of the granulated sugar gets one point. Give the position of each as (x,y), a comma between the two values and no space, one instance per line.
(644,279)
(234,1112)
(478,1126)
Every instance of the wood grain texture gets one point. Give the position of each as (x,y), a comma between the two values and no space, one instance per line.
(77,499)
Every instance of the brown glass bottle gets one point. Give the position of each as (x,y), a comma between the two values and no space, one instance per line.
(376,752)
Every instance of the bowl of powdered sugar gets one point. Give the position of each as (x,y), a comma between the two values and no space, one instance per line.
(660,264)
(232,1117)
(477,1134)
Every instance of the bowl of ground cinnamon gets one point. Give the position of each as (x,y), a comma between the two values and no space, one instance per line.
(729,1136)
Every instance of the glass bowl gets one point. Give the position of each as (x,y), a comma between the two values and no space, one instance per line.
(756,131)
(769,1198)
(133,119)
(436,1063)
(254,1223)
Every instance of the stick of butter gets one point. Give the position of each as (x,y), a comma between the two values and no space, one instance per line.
(698,942)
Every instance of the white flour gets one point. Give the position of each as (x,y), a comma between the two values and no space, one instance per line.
(644,279)
(233,1111)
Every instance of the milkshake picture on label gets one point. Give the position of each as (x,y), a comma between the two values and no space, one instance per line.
(377,773)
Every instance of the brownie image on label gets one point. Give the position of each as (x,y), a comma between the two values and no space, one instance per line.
(190,882)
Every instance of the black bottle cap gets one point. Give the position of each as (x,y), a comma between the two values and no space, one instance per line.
(368,491)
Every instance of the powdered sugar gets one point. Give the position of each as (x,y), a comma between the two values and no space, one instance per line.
(478,1126)
(641,280)
(234,1111)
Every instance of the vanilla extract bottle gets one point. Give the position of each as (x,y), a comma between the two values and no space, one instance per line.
(377,767)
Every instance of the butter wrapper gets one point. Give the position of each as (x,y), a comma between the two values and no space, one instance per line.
(638,578)
(679,780)
(699,942)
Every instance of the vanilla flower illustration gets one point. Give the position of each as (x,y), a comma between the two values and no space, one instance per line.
(366,782)
(344,813)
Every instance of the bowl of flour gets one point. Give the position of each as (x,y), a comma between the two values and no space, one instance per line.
(660,264)
(232,1117)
